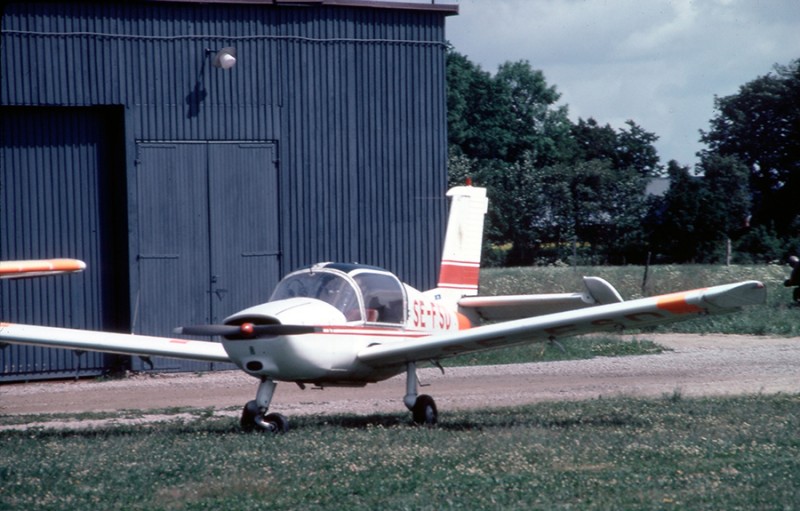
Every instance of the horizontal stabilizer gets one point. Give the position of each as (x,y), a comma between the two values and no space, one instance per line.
(509,307)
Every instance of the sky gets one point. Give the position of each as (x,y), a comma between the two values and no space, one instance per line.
(657,62)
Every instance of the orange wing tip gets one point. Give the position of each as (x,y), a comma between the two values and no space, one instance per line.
(41,266)
(676,303)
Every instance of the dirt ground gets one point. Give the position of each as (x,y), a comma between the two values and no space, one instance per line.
(697,365)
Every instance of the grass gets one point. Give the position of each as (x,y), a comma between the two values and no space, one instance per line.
(621,453)
(576,348)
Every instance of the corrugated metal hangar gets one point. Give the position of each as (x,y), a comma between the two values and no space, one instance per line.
(190,187)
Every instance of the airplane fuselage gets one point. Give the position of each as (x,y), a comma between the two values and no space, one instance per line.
(351,307)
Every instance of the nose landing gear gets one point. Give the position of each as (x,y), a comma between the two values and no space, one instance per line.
(255,416)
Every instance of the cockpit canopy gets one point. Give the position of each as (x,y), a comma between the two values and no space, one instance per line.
(362,293)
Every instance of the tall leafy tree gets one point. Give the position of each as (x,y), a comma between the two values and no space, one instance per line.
(760,125)
(479,115)
(627,148)
(537,126)
(555,187)
(675,221)
(505,115)
(725,202)
(635,150)
(587,209)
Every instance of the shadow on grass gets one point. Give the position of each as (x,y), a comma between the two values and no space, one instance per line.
(457,421)
(385,421)
(477,421)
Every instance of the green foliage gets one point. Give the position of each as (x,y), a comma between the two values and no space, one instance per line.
(556,188)
(589,205)
(543,173)
(576,348)
(725,203)
(479,116)
(628,149)
(760,245)
(676,219)
(760,126)
(620,453)
(697,216)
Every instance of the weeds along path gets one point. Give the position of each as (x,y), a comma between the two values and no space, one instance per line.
(697,365)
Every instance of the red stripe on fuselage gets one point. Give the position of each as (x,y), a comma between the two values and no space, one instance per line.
(373,332)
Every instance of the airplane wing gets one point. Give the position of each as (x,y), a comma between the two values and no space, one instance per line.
(89,340)
(124,344)
(39,267)
(509,307)
(615,317)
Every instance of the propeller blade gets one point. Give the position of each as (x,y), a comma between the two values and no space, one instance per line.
(246,330)
(284,329)
(209,330)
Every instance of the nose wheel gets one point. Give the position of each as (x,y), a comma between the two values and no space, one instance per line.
(254,420)
(255,416)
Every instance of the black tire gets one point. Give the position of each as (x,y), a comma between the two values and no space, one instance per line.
(424,411)
(275,423)
(249,414)
(796,294)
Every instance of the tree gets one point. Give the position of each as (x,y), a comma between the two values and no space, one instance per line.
(503,116)
(478,113)
(760,125)
(630,148)
(556,188)
(536,126)
(675,221)
(586,209)
(635,150)
(725,201)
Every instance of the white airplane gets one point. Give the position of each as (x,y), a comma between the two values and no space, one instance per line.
(334,324)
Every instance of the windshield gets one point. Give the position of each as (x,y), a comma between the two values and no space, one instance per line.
(328,287)
(360,293)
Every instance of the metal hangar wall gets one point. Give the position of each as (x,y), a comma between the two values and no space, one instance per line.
(190,189)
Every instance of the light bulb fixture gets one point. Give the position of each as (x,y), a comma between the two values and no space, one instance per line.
(224,58)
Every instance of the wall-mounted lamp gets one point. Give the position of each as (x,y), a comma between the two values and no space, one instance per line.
(224,58)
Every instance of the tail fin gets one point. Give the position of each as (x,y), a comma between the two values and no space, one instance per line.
(461,258)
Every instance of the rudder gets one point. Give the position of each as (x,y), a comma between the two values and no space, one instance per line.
(461,257)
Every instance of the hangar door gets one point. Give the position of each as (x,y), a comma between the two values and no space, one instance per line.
(208,236)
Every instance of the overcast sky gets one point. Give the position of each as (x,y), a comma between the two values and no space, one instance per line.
(657,62)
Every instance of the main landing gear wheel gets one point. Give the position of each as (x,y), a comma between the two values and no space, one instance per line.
(253,420)
(424,411)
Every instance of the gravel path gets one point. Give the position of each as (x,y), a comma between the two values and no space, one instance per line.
(698,365)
